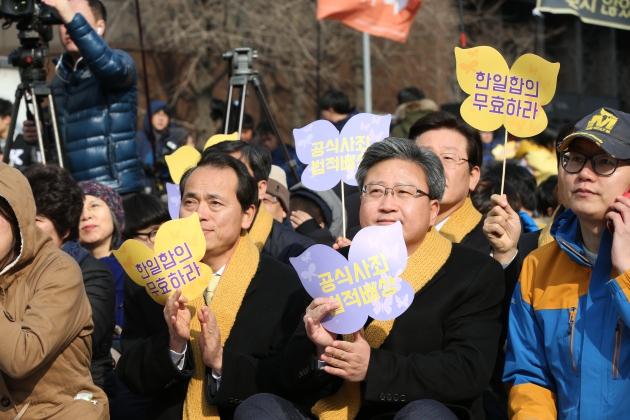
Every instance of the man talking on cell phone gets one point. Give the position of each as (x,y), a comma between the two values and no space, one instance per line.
(568,355)
(96,96)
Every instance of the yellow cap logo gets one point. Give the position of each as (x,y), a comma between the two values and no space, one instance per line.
(604,122)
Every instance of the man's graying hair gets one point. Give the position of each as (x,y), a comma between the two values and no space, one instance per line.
(405,149)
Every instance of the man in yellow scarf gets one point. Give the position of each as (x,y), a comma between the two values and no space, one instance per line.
(200,358)
(459,147)
(270,236)
(435,360)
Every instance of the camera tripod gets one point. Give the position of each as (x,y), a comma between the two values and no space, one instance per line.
(33,89)
(243,74)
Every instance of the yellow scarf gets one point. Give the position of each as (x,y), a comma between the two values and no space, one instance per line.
(261,228)
(461,223)
(421,267)
(225,305)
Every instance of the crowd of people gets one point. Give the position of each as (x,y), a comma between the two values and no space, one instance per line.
(521,298)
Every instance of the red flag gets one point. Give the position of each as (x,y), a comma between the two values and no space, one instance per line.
(385,18)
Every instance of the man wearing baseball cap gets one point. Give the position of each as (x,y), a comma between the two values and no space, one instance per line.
(568,348)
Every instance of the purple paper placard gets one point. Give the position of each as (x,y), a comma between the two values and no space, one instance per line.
(377,252)
(332,156)
(174,199)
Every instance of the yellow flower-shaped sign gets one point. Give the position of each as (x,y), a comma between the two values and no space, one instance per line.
(187,157)
(179,246)
(503,96)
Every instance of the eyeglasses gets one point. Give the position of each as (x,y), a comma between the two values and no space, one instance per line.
(150,236)
(602,163)
(401,192)
(452,160)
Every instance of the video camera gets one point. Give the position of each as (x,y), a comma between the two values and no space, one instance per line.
(28,11)
(34,21)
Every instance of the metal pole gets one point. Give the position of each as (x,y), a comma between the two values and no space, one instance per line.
(367,73)
(462,29)
(318,69)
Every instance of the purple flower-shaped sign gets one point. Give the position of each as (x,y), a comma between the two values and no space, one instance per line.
(174,199)
(367,284)
(332,156)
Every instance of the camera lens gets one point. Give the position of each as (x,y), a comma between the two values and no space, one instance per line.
(20,6)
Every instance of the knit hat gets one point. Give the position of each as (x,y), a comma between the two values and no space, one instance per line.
(109,196)
(277,186)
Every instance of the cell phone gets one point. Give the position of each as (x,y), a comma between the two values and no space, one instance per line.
(611,226)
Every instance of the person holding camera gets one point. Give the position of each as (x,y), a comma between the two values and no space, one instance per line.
(96,96)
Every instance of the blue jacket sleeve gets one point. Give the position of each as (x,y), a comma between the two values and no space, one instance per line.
(113,68)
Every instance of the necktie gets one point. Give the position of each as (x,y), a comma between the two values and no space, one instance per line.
(212,287)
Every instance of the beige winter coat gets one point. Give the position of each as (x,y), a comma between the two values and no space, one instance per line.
(45,324)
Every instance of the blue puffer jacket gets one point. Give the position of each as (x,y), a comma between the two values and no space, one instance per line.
(96,101)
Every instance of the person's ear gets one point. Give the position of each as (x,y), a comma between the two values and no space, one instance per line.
(100,27)
(475,174)
(434,209)
(262,189)
(248,217)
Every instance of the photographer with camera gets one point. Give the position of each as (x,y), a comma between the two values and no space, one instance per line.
(96,96)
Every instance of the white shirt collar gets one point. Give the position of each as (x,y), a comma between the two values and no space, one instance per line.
(439,225)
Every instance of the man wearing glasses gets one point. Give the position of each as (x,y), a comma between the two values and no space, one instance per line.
(568,354)
(459,147)
(435,360)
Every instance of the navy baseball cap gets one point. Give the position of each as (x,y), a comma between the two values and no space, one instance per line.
(608,128)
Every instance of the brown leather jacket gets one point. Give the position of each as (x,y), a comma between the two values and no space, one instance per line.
(45,323)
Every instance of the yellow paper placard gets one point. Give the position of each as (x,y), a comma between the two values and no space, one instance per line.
(181,160)
(179,246)
(503,96)
(187,157)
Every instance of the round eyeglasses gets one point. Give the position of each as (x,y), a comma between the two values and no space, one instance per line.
(602,163)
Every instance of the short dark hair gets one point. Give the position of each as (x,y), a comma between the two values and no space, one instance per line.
(547,195)
(58,197)
(489,185)
(98,10)
(521,179)
(409,94)
(246,189)
(142,211)
(264,128)
(442,119)
(403,149)
(7,213)
(335,99)
(248,121)
(6,108)
(258,158)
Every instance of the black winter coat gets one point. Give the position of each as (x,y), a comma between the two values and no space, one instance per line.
(99,286)
(443,347)
(269,314)
(284,243)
